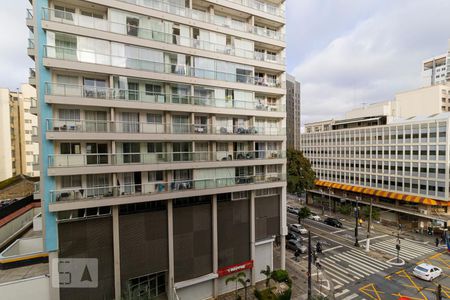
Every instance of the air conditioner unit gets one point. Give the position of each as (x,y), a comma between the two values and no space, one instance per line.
(423,211)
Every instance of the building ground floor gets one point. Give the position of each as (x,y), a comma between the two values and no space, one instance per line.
(417,214)
(173,249)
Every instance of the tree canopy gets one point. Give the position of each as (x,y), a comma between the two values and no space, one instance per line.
(299,172)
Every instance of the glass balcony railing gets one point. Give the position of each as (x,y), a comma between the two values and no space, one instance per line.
(116,94)
(145,33)
(80,193)
(198,15)
(56,125)
(152,66)
(100,159)
(262,6)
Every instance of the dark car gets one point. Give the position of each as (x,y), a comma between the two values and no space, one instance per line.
(292,235)
(296,245)
(333,222)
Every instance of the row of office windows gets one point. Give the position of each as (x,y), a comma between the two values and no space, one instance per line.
(423,133)
(430,170)
(415,152)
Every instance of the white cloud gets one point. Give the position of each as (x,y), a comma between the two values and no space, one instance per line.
(379,57)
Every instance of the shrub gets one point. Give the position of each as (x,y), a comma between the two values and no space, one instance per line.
(282,276)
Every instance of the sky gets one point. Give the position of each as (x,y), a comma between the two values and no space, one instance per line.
(345,53)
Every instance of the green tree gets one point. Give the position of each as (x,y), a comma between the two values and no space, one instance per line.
(237,278)
(375,212)
(303,213)
(300,176)
(267,272)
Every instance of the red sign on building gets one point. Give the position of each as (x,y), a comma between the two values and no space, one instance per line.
(235,268)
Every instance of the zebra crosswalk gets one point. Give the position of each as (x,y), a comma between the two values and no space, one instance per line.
(408,250)
(348,267)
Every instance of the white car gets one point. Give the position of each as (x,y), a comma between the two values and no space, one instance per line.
(314,217)
(427,272)
(298,228)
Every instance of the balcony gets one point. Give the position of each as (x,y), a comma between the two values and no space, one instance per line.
(128,96)
(32,77)
(71,54)
(129,128)
(148,34)
(33,106)
(261,6)
(31,48)
(161,187)
(205,17)
(118,159)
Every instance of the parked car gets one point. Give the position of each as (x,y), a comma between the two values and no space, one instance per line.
(296,245)
(294,236)
(292,210)
(333,222)
(427,272)
(314,216)
(298,228)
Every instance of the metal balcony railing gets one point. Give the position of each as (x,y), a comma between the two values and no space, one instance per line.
(149,34)
(79,193)
(72,54)
(70,90)
(262,6)
(57,125)
(198,15)
(101,159)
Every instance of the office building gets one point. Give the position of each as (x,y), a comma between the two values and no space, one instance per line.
(386,153)
(434,70)
(17,126)
(293,125)
(163,135)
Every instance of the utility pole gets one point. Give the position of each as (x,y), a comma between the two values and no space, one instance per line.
(368,226)
(329,199)
(356,223)
(309,266)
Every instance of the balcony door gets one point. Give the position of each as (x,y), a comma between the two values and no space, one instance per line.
(130,122)
(96,153)
(94,88)
(96,121)
(131,152)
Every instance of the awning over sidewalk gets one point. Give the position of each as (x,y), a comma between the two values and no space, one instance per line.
(381,193)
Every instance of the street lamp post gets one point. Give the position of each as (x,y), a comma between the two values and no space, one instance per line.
(329,199)
(356,222)
(368,226)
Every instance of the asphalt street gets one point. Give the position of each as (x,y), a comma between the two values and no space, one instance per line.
(348,272)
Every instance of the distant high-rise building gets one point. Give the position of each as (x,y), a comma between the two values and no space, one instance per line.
(18,129)
(163,131)
(434,70)
(293,125)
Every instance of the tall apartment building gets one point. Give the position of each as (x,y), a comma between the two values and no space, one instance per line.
(390,154)
(17,128)
(163,141)
(435,70)
(293,125)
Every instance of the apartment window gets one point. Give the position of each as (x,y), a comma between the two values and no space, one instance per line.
(155,147)
(152,89)
(64,12)
(92,14)
(70,148)
(69,114)
(155,176)
(71,181)
(154,118)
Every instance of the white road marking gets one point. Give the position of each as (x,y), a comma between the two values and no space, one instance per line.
(352,296)
(341,293)
(330,249)
(337,231)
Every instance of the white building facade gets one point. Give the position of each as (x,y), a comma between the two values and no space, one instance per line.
(163,130)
